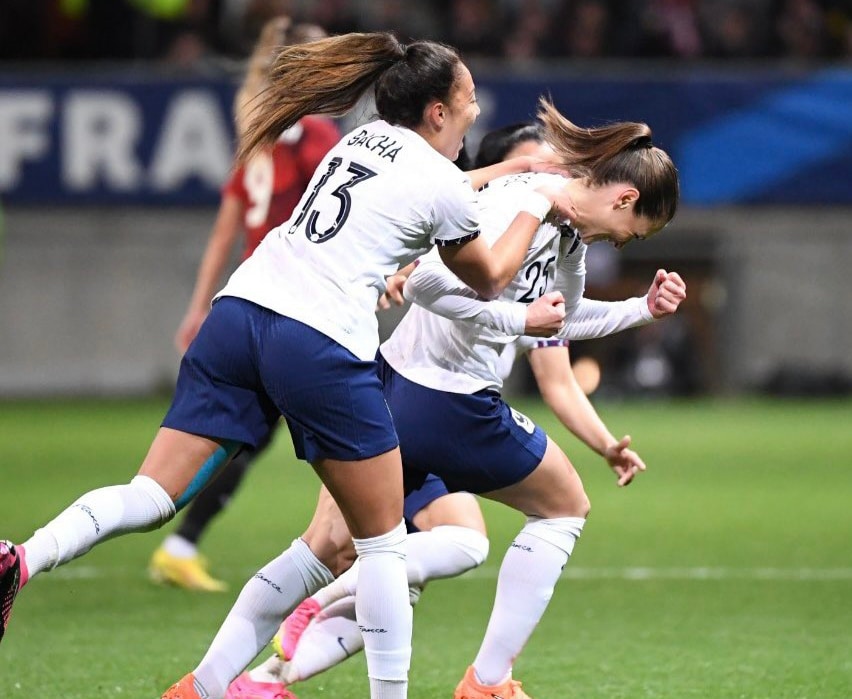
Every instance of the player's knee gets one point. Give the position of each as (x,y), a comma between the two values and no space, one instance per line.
(392,542)
(474,544)
(577,505)
(561,532)
(584,507)
(157,505)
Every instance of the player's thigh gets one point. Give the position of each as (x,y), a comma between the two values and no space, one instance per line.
(175,459)
(459,509)
(553,489)
(368,492)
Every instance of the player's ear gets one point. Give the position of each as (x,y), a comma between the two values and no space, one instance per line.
(627,197)
(434,115)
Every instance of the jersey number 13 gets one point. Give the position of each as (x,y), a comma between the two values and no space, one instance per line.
(344,205)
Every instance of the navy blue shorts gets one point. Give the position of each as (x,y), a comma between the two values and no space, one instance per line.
(249,365)
(432,489)
(474,442)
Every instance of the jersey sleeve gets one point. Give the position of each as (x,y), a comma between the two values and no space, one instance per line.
(455,213)
(593,318)
(437,289)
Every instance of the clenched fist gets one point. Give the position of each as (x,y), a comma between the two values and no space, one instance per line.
(666,293)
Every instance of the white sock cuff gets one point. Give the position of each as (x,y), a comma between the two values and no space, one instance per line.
(469,541)
(164,504)
(394,664)
(561,532)
(313,571)
(392,542)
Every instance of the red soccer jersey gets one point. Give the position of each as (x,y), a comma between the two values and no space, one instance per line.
(271,184)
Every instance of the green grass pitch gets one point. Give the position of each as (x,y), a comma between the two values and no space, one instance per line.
(725,572)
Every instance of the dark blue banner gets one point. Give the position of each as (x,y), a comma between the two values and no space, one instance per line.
(758,137)
(114,140)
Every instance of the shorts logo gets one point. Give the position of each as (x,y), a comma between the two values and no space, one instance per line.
(523,421)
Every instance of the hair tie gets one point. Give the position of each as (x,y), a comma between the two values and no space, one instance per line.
(641,143)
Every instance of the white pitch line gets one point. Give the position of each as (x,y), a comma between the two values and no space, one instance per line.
(576,572)
(698,573)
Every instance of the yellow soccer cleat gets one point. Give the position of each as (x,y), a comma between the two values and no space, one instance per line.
(469,688)
(188,573)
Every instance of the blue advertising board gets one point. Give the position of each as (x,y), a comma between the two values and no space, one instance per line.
(757,137)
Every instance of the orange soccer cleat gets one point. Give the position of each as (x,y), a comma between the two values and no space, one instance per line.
(470,688)
(186,688)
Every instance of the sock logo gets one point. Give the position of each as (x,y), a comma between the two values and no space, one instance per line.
(345,649)
(262,577)
(86,509)
(364,629)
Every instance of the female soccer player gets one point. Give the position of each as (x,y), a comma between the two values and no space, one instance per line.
(624,188)
(300,340)
(485,446)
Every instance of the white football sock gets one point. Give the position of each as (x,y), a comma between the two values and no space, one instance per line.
(528,574)
(273,669)
(383,612)
(341,588)
(264,601)
(101,514)
(442,552)
(333,635)
(175,545)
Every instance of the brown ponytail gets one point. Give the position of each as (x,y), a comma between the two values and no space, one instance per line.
(620,152)
(327,76)
(330,75)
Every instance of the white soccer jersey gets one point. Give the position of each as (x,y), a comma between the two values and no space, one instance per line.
(463,344)
(381,198)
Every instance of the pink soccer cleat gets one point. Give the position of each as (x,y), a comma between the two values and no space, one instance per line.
(287,638)
(244,687)
(10,582)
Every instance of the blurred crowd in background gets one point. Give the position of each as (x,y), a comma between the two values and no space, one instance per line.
(193,34)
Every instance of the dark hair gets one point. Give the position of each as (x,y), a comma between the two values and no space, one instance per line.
(620,152)
(328,76)
(496,144)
